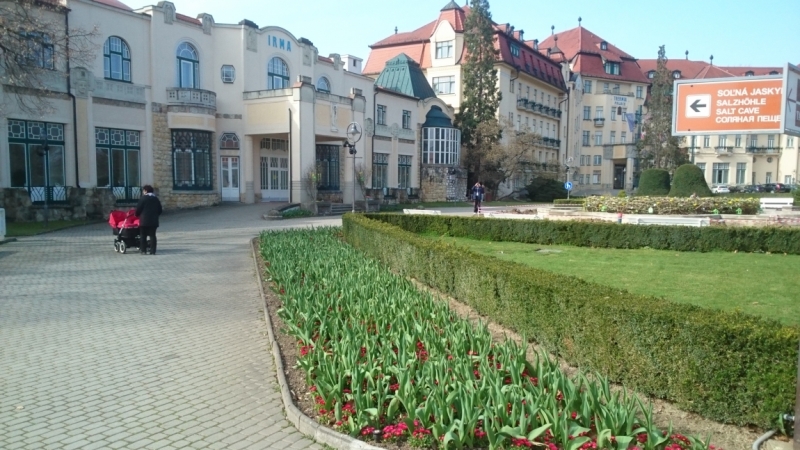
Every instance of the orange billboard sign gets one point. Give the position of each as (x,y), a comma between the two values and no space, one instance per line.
(728,105)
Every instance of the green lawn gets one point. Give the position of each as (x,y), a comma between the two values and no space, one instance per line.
(19,229)
(760,284)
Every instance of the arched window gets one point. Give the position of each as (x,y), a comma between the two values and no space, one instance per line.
(277,74)
(749,73)
(229,141)
(116,60)
(188,66)
(774,72)
(323,85)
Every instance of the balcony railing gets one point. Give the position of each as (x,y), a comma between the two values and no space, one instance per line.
(723,150)
(599,122)
(192,97)
(764,150)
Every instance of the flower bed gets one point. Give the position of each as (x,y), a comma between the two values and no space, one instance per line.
(729,367)
(673,205)
(380,355)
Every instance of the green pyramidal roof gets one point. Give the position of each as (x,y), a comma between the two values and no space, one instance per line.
(402,74)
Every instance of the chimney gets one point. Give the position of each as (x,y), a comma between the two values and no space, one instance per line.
(536,44)
(395,30)
(521,33)
(687,55)
(712,60)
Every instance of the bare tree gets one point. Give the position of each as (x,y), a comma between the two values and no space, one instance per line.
(363,174)
(37,50)
(310,182)
(506,158)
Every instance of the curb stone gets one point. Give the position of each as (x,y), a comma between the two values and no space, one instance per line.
(303,423)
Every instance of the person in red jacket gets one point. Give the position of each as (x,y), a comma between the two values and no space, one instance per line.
(148,209)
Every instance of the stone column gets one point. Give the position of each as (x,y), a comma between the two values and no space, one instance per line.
(248,170)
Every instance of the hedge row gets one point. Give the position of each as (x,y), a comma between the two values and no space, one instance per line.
(729,367)
(673,205)
(605,235)
(569,201)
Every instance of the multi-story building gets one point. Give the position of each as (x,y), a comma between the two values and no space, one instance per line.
(203,111)
(735,159)
(607,95)
(531,84)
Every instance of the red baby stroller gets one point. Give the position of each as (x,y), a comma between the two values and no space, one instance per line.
(125,227)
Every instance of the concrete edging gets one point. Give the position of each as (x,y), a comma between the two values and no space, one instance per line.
(304,424)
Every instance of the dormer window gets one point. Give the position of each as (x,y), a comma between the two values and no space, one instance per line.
(604,45)
(515,50)
(444,49)
(651,74)
(612,68)
(774,72)
(749,73)
(676,74)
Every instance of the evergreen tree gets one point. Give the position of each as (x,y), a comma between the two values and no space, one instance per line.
(481,95)
(658,148)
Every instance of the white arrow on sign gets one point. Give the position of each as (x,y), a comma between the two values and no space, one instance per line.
(698,105)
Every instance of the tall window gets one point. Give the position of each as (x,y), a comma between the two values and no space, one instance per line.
(587,86)
(639,91)
(737,142)
(702,167)
(706,141)
(406,119)
(754,140)
(587,113)
(598,160)
(323,85)
(720,173)
(36,158)
(723,141)
(277,74)
(118,161)
(598,138)
(771,141)
(328,167)
(768,179)
(613,113)
(440,145)
(612,139)
(586,138)
(191,160)
(790,142)
(381,119)
(380,170)
(596,177)
(623,138)
(444,49)
(741,171)
(116,60)
(39,52)
(404,171)
(598,112)
(188,66)
(447,85)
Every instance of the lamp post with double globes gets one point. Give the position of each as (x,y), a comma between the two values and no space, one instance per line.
(353,136)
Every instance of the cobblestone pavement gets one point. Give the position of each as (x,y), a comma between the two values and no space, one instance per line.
(103,350)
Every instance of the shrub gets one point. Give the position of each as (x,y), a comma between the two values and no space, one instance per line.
(796,196)
(545,190)
(653,182)
(605,234)
(297,212)
(688,180)
(569,201)
(725,366)
(672,205)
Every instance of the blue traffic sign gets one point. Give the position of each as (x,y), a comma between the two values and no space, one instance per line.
(568,185)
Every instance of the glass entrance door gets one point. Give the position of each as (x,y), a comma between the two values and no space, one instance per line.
(275,179)
(229,179)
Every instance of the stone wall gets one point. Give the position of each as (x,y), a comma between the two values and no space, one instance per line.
(442,183)
(162,168)
(81,204)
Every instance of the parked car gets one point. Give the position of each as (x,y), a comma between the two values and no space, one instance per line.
(720,190)
(777,187)
(751,188)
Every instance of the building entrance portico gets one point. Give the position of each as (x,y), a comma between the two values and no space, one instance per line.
(273,173)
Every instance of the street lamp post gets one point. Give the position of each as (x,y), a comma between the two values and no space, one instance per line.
(353,136)
(45,151)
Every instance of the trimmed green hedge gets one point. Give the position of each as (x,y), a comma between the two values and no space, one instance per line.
(654,182)
(604,235)
(571,201)
(725,366)
(673,205)
(688,180)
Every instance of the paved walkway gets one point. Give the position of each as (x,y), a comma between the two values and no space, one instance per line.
(102,350)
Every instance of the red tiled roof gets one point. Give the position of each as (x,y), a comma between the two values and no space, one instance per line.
(115,4)
(582,47)
(416,44)
(741,71)
(185,18)
(703,70)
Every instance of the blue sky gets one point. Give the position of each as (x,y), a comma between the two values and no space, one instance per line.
(736,32)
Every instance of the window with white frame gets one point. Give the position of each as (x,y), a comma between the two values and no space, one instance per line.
(706,141)
(613,113)
(768,179)
(787,179)
(598,112)
(406,119)
(587,113)
(612,138)
(515,50)
(598,160)
(702,167)
(228,73)
(754,140)
(586,138)
(444,49)
(623,139)
(770,141)
(737,142)
(741,173)
(587,86)
(403,171)
(639,91)
(324,85)
(277,74)
(596,177)
(381,119)
(444,85)
(719,174)
(380,170)
(116,60)
(440,145)
(188,66)
(598,138)
(790,142)
(611,68)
